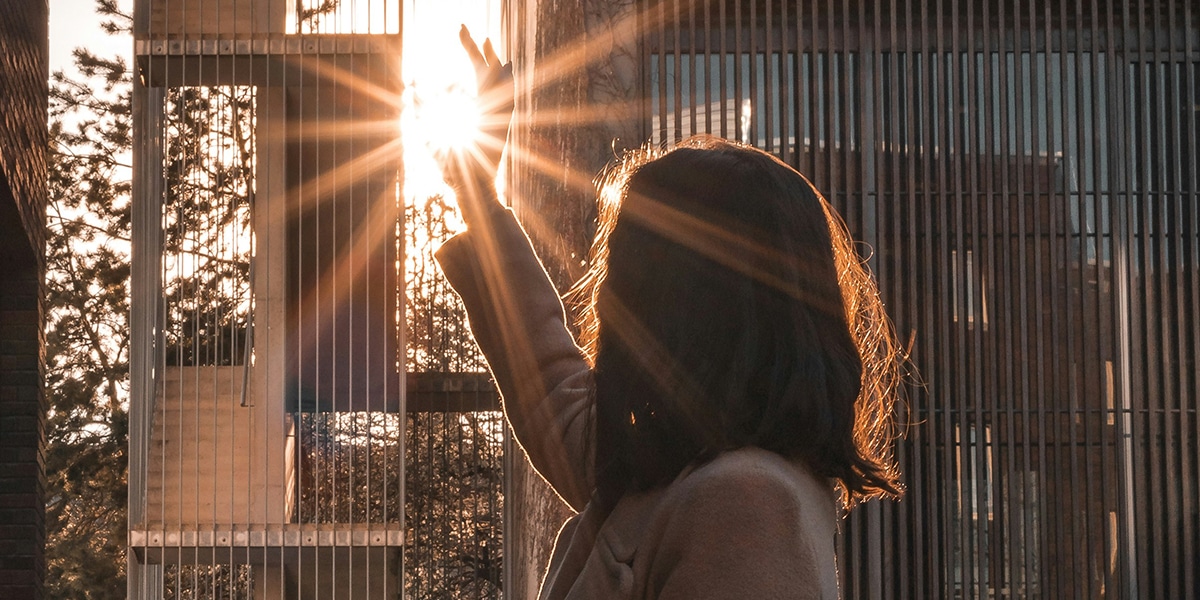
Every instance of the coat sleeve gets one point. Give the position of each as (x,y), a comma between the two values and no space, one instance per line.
(735,535)
(519,323)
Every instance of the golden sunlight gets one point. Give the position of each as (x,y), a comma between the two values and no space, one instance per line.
(438,108)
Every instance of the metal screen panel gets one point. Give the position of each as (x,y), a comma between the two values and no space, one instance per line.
(454,458)
(1024,177)
(311,418)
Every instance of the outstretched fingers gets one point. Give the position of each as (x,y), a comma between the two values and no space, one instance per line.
(478,60)
(489,53)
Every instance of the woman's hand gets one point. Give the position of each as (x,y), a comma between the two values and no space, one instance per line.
(472,171)
(495,97)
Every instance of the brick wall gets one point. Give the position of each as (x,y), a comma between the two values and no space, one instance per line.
(22,410)
(23,71)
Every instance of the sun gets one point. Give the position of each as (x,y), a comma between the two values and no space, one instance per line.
(441,119)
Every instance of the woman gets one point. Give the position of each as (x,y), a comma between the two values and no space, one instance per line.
(732,387)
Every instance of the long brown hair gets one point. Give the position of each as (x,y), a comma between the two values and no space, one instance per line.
(725,306)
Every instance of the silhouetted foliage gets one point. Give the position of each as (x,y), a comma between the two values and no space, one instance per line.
(208,175)
(87,339)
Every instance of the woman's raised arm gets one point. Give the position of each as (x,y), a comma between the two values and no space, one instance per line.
(515,312)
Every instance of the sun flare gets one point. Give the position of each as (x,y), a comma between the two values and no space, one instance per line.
(441,119)
(439,110)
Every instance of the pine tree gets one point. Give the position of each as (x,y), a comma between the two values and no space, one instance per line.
(87,345)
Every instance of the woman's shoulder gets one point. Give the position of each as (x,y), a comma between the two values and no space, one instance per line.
(750,465)
(764,523)
(753,476)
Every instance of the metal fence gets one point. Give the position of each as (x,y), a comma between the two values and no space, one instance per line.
(1024,176)
(310,417)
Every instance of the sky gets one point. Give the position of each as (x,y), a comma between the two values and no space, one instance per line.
(435,23)
(74,23)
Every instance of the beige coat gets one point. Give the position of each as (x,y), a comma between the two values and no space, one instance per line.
(747,524)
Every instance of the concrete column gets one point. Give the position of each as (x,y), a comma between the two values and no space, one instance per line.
(145,291)
(272,447)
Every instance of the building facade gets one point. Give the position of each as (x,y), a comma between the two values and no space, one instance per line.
(1023,177)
